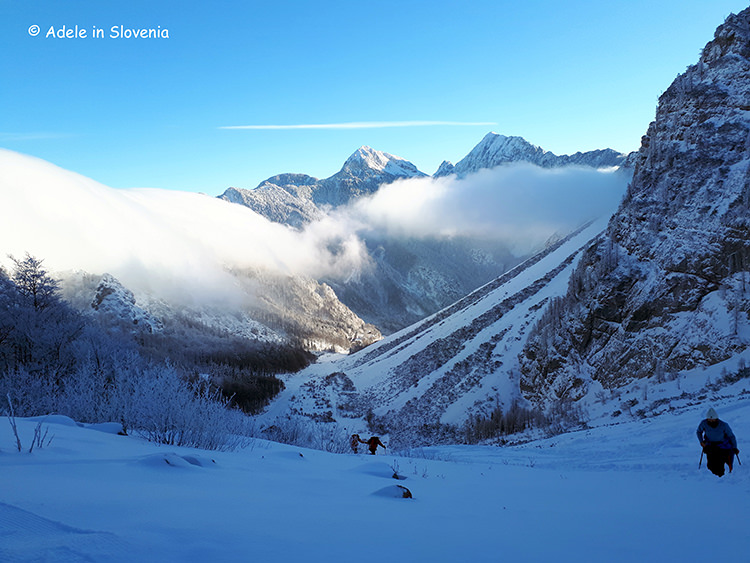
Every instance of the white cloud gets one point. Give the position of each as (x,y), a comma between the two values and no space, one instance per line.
(361,125)
(521,204)
(182,243)
(161,240)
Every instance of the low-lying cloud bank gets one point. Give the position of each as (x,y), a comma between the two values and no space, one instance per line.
(520,204)
(158,240)
(167,241)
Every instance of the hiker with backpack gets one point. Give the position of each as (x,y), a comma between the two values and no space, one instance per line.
(373,444)
(355,442)
(718,443)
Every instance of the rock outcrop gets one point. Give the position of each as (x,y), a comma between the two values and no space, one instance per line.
(666,289)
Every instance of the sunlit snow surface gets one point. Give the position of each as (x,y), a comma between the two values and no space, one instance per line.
(627,492)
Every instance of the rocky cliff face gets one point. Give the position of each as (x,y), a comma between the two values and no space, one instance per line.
(666,288)
(115,301)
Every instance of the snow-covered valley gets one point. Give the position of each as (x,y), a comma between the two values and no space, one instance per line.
(199,365)
(626,492)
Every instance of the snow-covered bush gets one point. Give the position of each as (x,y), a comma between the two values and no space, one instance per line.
(168,410)
(32,394)
(307,433)
(154,401)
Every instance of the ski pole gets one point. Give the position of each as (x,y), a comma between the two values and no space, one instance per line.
(701,461)
(738,458)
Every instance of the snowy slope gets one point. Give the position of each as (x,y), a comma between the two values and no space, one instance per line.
(456,363)
(630,492)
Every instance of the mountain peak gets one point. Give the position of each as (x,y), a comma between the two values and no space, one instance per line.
(495,150)
(362,174)
(368,159)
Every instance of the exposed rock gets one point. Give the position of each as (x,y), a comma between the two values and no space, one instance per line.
(118,304)
(666,288)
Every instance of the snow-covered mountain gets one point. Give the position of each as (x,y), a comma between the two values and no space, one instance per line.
(297,199)
(409,277)
(666,289)
(495,150)
(362,174)
(425,381)
(628,317)
(285,198)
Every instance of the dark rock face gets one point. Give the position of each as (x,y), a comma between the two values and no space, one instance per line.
(666,288)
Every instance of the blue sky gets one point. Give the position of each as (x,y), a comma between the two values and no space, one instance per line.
(568,76)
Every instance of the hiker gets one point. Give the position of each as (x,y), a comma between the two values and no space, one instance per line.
(373,444)
(718,443)
(355,442)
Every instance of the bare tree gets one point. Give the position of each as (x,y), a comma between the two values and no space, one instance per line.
(34,283)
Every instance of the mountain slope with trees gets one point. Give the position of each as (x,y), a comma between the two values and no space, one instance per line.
(667,288)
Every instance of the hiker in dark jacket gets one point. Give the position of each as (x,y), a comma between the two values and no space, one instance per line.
(373,444)
(718,443)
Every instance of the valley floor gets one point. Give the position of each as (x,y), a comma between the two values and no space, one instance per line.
(630,492)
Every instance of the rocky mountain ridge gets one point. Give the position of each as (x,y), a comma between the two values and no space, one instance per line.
(495,150)
(297,199)
(279,309)
(666,289)
(304,197)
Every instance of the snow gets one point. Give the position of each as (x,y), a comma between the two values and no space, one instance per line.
(389,375)
(623,492)
(368,158)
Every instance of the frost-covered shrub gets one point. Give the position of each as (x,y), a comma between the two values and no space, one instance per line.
(161,406)
(152,400)
(32,394)
(307,433)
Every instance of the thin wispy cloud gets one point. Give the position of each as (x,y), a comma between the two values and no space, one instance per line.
(41,136)
(364,125)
